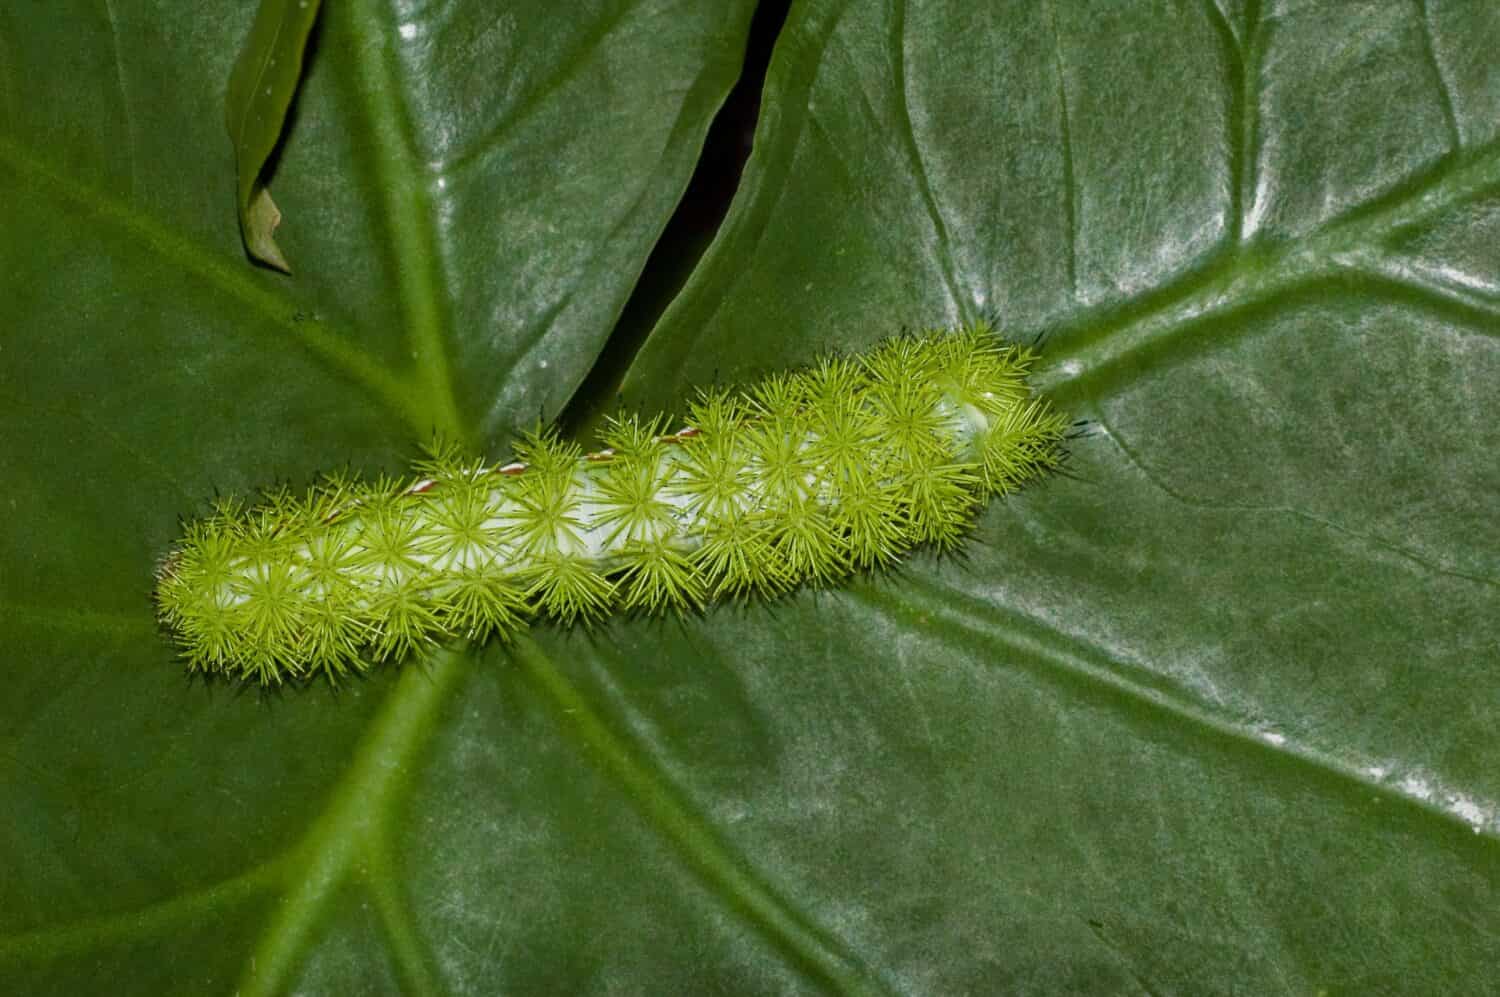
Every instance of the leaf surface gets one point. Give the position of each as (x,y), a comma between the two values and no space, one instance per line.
(1212,713)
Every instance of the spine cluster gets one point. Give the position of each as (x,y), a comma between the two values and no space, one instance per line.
(802,478)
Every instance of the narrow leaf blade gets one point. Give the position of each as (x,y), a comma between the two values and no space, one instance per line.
(261,88)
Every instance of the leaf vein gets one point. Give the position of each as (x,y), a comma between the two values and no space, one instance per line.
(331,349)
(803,942)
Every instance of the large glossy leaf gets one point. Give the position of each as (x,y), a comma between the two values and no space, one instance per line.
(1213,713)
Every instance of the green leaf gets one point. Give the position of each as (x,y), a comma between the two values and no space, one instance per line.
(1214,712)
(261,88)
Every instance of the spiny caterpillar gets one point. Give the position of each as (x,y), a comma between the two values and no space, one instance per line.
(802,478)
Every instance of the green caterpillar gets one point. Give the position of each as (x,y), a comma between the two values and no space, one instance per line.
(802,478)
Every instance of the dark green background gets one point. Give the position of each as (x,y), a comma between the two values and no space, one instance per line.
(1213,714)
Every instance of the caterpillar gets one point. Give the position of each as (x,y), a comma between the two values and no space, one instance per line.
(802,478)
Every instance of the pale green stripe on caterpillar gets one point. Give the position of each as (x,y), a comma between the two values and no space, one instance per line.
(801,478)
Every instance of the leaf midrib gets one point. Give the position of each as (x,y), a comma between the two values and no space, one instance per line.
(407,204)
(350,837)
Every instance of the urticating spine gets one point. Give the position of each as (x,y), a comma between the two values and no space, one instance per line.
(804,477)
